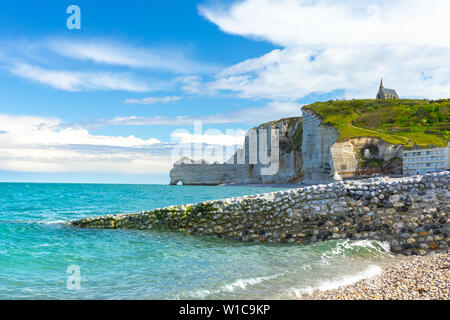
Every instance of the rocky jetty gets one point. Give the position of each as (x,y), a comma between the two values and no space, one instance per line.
(410,213)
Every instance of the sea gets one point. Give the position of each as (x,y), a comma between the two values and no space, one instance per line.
(43,257)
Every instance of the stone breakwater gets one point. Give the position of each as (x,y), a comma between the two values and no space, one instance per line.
(411,214)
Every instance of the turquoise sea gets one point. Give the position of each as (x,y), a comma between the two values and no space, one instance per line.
(37,247)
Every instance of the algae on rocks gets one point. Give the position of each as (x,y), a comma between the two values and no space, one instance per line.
(411,214)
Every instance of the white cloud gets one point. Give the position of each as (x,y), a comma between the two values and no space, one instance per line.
(335,45)
(292,73)
(336,22)
(56,62)
(273,110)
(107,51)
(78,81)
(212,146)
(29,130)
(211,137)
(35,144)
(194,85)
(38,144)
(153,100)
(56,160)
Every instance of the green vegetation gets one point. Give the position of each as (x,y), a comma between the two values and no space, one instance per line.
(296,142)
(291,122)
(422,123)
(293,143)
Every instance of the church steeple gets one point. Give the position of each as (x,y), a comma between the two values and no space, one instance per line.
(386,93)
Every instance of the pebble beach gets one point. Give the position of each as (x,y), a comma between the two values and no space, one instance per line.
(412,278)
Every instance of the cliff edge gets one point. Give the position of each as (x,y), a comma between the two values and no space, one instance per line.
(344,139)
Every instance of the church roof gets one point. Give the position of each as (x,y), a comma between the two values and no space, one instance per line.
(386,93)
(389,91)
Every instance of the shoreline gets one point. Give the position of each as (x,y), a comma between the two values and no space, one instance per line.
(262,185)
(411,278)
(411,214)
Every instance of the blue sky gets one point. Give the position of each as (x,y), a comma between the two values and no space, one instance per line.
(101,104)
(160,25)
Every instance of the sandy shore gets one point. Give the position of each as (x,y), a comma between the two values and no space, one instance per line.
(412,278)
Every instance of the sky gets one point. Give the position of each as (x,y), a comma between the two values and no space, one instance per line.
(109,103)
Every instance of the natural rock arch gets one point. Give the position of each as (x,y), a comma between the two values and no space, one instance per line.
(371,151)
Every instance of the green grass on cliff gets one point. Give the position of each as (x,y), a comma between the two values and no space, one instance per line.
(295,141)
(422,123)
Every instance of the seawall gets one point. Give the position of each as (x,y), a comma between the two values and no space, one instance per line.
(410,213)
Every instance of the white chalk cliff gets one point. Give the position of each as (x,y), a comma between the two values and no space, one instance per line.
(309,151)
(288,163)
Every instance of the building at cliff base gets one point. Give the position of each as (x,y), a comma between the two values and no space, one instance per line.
(426,160)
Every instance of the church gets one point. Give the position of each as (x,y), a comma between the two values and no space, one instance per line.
(386,93)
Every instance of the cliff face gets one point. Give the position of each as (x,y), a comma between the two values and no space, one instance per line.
(365,156)
(323,154)
(211,174)
(316,149)
(289,162)
(309,150)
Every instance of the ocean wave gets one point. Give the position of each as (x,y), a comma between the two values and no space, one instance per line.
(54,222)
(347,247)
(239,284)
(50,222)
(198,294)
(243,283)
(371,272)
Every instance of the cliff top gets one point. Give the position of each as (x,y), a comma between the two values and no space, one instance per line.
(290,122)
(421,123)
(291,139)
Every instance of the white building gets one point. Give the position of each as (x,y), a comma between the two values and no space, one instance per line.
(426,160)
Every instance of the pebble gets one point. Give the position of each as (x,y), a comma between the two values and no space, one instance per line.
(412,278)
